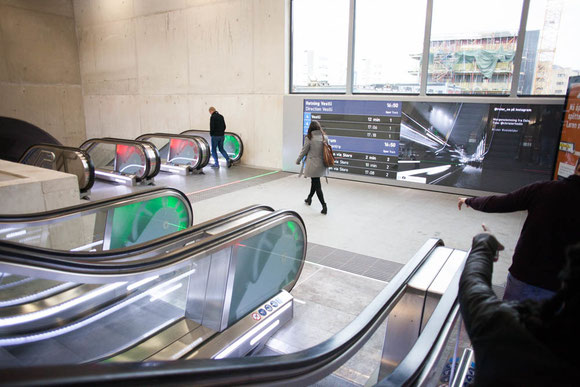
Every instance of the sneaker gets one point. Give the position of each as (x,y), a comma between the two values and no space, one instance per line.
(229,163)
(215,165)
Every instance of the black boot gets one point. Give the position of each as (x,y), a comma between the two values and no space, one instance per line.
(308,200)
(324,210)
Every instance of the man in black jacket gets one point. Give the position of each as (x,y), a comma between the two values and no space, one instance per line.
(529,343)
(217,128)
(553,223)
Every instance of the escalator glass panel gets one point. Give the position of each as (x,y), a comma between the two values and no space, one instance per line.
(141,222)
(232,146)
(265,264)
(110,227)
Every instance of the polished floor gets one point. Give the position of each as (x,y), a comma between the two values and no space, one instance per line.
(369,233)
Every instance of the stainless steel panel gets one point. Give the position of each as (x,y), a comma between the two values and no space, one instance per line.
(443,279)
(403,325)
(216,289)
(187,343)
(177,169)
(116,178)
(196,294)
(152,345)
(251,331)
(441,282)
(429,270)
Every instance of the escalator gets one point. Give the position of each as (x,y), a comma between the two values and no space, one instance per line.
(420,304)
(181,154)
(64,159)
(216,290)
(127,162)
(233,144)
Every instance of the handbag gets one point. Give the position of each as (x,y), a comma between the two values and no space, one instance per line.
(327,156)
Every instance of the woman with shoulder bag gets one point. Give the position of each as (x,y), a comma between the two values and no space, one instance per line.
(314,164)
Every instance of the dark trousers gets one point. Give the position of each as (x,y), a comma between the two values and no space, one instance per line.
(218,142)
(315,186)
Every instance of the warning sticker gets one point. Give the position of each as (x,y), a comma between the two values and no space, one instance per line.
(256,316)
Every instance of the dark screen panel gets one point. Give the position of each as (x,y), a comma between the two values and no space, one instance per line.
(480,146)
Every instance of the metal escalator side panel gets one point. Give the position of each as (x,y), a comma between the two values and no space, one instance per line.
(250,331)
(419,365)
(441,283)
(404,324)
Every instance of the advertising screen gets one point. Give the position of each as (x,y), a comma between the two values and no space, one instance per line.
(480,146)
(569,150)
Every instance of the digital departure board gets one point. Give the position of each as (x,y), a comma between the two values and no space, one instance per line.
(364,135)
(482,146)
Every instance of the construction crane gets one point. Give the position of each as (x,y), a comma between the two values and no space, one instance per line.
(547,46)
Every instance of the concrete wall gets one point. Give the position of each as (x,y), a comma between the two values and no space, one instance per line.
(156,66)
(39,67)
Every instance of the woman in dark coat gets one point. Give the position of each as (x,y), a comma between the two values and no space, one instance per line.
(314,164)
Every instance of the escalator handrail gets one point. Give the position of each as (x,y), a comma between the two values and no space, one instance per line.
(155,244)
(292,369)
(97,205)
(169,136)
(80,153)
(34,259)
(431,341)
(153,171)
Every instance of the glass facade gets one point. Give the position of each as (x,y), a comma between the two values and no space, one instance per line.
(319,45)
(388,45)
(472,47)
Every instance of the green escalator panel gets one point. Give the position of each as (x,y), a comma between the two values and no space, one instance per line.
(141,222)
(232,146)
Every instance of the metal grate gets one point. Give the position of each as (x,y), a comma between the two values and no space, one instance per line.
(352,262)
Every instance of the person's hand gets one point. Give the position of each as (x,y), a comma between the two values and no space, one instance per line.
(297,162)
(500,247)
(460,202)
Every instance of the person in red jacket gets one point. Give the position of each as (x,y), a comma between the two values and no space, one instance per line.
(553,223)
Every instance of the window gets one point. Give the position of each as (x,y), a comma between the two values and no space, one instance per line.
(473,46)
(388,46)
(319,45)
(550,46)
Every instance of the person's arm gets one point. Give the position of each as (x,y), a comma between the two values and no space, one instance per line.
(212,123)
(476,296)
(518,200)
(304,151)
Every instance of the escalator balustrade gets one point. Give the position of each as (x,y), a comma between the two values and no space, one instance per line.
(122,161)
(216,290)
(64,159)
(181,154)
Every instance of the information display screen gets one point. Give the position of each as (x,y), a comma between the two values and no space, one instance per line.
(488,147)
